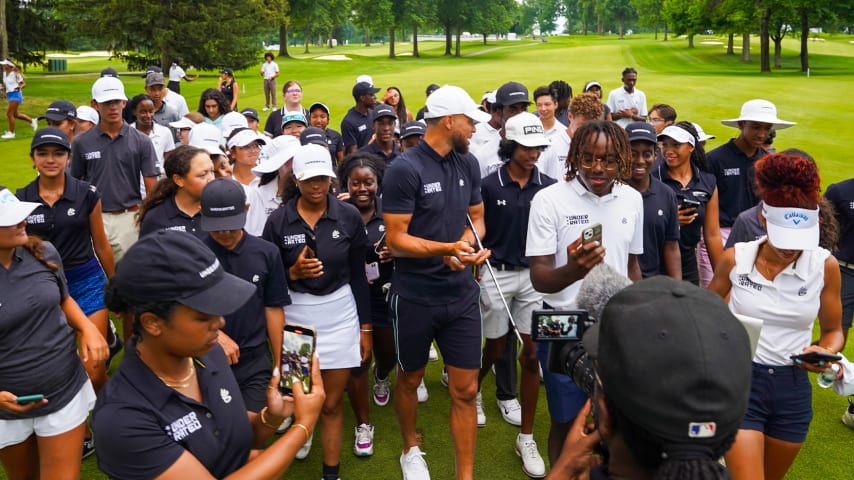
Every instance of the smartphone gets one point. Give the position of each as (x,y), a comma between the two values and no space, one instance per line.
(688,203)
(311,243)
(558,325)
(298,344)
(815,357)
(25,399)
(592,233)
(372,270)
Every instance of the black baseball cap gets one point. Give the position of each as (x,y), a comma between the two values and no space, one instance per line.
(251,113)
(50,136)
(409,129)
(674,360)
(227,71)
(641,131)
(512,93)
(223,205)
(313,135)
(383,110)
(109,72)
(364,88)
(152,69)
(314,106)
(172,266)
(431,88)
(60,110)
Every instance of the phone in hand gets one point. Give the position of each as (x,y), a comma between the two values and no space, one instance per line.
(816,357)
(688,203)
(25,399)
(311,243)
(593,233)
(298,344)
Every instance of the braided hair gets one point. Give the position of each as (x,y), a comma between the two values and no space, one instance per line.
(586,135)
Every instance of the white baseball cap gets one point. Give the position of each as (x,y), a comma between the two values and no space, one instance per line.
(679,134)
(525,129)
(365,79)
(452,100)
(761,111)
(89,114)
(107,89)
(791,228)
(207,137)
(277,153)
(244,138)
(312,161)
(12,210)
(701,134)
(184,122)
(232,121)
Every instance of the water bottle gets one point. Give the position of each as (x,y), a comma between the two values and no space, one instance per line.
(825,379)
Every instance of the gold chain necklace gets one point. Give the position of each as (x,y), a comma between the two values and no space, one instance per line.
(184,382)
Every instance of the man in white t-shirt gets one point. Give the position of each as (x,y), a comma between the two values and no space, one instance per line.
(627,103)
(559,260)
(583,108)
(270,71)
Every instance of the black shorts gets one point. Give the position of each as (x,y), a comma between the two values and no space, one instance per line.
(253,372)
(456,327)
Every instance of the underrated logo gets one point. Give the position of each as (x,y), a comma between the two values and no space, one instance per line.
(796,217)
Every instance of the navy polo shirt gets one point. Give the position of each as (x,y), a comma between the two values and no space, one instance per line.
(841,195)
(700,189)
(341,241)
(335,142)
(376,232)
(437,191)
(660,224)
(142,426)
(746,228)
(257,261)
(167,215)
(374,149)
(356,128)
(506,210)
(114,165)
(38,349)
(66,224)
(734,174)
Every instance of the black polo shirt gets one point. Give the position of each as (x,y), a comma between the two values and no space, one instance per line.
(114,165)
(747,227)
(142,426)
(700,189)
(66,224)
(38,349)
(841,195)
(506,210)
(376,232)
(660,224)
(341,241)
(273,126)
(374,149)
(356,128)
(733,171)
(167,215)
(336,144)
(437,191)
(257,261)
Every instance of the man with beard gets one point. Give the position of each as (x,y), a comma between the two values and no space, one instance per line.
(429,191)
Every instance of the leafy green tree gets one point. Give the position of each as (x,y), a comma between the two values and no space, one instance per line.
(373,15)
(686,17)
(494,16)
(649,15)
(619,11)
(31,28)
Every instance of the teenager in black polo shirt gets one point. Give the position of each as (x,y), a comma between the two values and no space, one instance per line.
(357,125)
(319,117)
(384,144)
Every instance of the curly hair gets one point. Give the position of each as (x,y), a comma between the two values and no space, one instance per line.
(784,180)
(587,106)
(177,164)
(616,138)
(361,159)
(560,90)
(218,97)
(506,149)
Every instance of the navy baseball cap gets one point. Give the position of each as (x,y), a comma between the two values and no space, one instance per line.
(172,266)
(512,93)
(641,131)
(412,128)
(364,88)
(251,113)
(383,110)
(313,135)
(50,136)
(314,106)
(227,71)
(109,72)
(223,205)
(60,110)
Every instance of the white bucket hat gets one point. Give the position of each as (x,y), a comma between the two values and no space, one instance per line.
(761,111)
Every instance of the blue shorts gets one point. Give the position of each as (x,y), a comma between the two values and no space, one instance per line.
(456,327)
(564,397)
(15,96)
(780,403)
(86,285)
(847,296)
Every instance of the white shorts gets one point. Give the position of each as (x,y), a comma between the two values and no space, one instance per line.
(519,294)
(336,321)
(13,432)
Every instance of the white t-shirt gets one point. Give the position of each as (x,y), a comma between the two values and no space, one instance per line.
(177,102)
(163,142)
(560,149)
(484,132)
(486,152)
(262,202)
(176,73)
(788,306)
(620,99)
(561,211)
(269,69)
(11,80)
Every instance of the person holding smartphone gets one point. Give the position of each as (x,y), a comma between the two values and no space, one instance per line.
(684,170)
(322,241)
(45,395)
(174,410)
(787,280)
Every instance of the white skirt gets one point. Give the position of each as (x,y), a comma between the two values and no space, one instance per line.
(336,321)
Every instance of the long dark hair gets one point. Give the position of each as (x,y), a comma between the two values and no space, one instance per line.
(400,109)
(698,156)
(214,94)
(35,246)
(177,164)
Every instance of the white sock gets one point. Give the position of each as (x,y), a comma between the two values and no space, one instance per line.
(526,437)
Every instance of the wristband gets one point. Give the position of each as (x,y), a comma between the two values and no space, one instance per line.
(366,330)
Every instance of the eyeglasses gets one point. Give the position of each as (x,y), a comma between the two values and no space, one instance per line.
(294,90)
(587,161)
(655,120)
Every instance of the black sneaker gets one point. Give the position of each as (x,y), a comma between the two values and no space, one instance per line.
(88,447)
(114,341)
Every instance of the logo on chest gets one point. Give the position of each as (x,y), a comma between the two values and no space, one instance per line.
(336,234)
(183,427)
(92,155)
(732,172)
(71,212)
(744,281)
(577,219)
(37,218)
(289,240)
(501,203)
(434,187)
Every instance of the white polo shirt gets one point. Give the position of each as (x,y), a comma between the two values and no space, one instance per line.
(788,306)
(620,99)
(269,69)
(561,211)
(263,200)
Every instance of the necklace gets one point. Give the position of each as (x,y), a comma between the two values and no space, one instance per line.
(184,382)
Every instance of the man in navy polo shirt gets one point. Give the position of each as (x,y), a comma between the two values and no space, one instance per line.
(246,332)
(660,220)
(428,193)
(357,126)
(384,145)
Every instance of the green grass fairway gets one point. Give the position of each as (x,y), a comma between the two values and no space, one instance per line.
(703,84)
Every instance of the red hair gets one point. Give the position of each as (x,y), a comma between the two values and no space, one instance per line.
(784,180)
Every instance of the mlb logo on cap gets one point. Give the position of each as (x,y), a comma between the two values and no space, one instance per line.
(702,429)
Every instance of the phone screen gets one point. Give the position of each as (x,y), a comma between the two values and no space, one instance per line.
(297,350)
(559,325)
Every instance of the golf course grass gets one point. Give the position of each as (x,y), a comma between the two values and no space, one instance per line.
(703,84)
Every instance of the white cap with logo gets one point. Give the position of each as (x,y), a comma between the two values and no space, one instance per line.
(312,161)
(452,100)
(525,129)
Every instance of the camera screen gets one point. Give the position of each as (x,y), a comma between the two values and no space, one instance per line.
(297,349)
(559,326)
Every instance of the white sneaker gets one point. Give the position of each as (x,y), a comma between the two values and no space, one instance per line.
(444,377)
(433,355)
(265,109)
(848,416)
(306,448)
(286,424)
(8,135)
(35,123)
(532,462)
(382,389)
(363,446)
(413,465)
(511,411)
(481,417)
(422,392)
